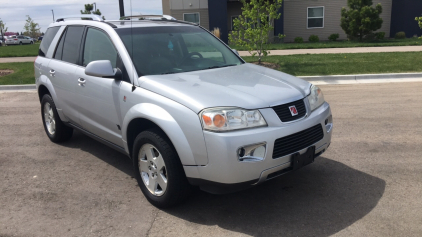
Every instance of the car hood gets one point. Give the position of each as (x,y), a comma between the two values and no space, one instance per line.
(246,86)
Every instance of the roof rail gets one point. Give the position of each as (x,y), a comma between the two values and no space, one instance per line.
(149,17)
(155,18)
(82,16)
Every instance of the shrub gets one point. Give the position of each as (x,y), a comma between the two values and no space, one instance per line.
(400,35)
(361,18)
(379,35)
(333,37)
(369,37)
(313,38)
(298,40)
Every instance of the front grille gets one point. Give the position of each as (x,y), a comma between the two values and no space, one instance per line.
(298,141)
(283,111)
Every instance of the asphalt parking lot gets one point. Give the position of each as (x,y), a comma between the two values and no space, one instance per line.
(368,183)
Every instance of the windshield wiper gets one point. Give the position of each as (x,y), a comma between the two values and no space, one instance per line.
(228,65)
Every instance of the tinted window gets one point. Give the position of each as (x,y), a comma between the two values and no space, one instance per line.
(59,50)
(72,44)
(98,46)
(119,64)
(48,37)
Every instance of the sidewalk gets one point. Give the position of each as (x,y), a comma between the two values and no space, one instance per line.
(17,59)
(341,50)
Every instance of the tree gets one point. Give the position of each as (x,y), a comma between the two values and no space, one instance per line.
(89,10)
(32,29)
(419,20)
(252,28)
(3,26)
(361,19)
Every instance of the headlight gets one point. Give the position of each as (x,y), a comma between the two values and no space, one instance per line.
(226,119)
(316,98)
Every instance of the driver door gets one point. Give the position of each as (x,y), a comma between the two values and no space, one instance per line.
(99,98)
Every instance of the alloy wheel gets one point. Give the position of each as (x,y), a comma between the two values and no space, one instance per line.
(50,122)
(152,169)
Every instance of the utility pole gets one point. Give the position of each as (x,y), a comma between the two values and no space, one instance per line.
(95,7)
(122,9)
(1,34)
(53,14)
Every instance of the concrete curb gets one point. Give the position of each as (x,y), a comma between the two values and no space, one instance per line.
(395,76)
(364,77)
(17,87)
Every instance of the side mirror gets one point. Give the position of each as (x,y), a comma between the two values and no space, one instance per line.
(103,68)
(235,51)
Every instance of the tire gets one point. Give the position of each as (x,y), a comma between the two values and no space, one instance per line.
(177,188)
(32,42)
(55,129)
(20,43)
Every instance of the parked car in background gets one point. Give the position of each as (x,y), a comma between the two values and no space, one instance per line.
(2,38)
(31,40)
(20,39)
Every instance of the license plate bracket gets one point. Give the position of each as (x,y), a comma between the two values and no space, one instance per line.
(298,160)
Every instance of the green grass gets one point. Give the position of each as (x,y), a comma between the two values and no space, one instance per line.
(343,64)
(298,65)
(25,50)
(341,44)
(24,73)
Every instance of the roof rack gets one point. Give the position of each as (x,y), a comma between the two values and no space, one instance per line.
(155,18)
(149,17)
(82,16)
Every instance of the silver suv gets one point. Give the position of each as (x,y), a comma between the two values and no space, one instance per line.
(183,106)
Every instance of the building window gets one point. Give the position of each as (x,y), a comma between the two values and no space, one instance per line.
(315,17)
(234,17)
(191,17)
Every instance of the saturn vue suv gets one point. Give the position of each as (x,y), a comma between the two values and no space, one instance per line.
(184,107)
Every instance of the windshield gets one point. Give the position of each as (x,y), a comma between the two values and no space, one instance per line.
(166,50)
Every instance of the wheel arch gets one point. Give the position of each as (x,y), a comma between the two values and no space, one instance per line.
(145,116)
(44,86)
(42,90)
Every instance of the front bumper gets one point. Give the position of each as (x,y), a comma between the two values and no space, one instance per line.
(226,173)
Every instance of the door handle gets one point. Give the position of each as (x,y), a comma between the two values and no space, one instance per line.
(52,72)
(81,81)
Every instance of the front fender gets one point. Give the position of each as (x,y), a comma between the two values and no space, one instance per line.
(168,124)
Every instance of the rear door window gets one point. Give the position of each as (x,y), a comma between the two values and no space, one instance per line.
(48,38)
(59,49)
(72,43)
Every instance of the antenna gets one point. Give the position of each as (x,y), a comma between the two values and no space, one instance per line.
(131,42)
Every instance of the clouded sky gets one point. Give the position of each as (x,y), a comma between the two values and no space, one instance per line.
(13,12)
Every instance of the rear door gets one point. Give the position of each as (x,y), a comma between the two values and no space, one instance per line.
(22,39)
(100,97)
(62,69)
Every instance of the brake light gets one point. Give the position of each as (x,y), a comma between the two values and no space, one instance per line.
(15,39)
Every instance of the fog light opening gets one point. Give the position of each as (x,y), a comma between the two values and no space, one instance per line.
(252,153)
(241,152)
